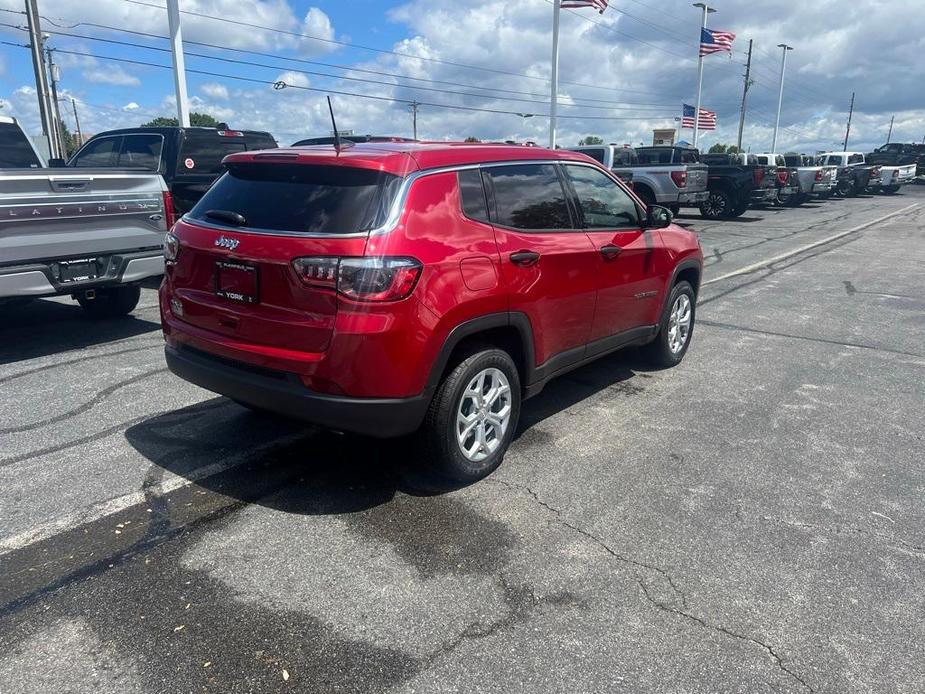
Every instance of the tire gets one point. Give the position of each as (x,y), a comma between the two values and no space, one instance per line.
(665,351)
(889,190)
(646,196)
(784,200)
(718,205)
(455,397)
(795,200)
(740,210)
(845,189)
(826,195)
(675,210)
(111,302)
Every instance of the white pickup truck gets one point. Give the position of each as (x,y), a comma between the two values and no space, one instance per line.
(884,178)
(93,234)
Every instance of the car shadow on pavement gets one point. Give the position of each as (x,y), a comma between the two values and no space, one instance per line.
(267,460)
(38,328)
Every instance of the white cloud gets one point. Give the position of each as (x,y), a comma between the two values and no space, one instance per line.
(214,90)
(111,75)
(318,25)
(292,78)
(131,106)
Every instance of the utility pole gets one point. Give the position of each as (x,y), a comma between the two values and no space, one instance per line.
(748,83)
(703,25)
(414,118)
(554,76)
(80,137)
(55,74)
(41,84)
(890,133)
(848,129)
(780,96)
(179,67)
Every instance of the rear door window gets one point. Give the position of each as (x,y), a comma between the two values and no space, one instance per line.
(101,153)
(15,150)
(529,196)
(300,198)
(203,151)
(856,159)
(603,203)
(689,156)
(141,151)
(661,155)
(259,141)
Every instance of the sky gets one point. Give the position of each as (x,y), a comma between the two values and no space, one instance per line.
(481,67)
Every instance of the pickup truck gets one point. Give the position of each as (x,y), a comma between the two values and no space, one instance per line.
(669,176)
(899,154)
(808,178)
(93,234)
(189,159)
(734,182)
(787,192)
(854,174)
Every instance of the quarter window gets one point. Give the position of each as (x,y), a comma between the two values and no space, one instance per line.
(141,151)
(529,196)
(472,195)
(603,203)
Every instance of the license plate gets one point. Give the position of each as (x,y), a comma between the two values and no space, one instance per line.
(236,281)
(78,270)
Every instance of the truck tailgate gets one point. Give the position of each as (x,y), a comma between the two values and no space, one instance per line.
(60,213)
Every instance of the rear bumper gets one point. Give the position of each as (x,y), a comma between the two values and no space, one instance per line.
(40,279)
(763,194)
(284,393)
(822,187)
(693,197)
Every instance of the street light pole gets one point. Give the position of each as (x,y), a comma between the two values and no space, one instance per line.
(554,76)
(179,67)
(703,25)
(780,95)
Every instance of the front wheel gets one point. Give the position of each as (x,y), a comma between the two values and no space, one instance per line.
(472,419)
(111,302)
(717,205)
(675,329)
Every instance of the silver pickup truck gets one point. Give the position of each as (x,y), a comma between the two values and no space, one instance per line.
(93,234)
(669,176)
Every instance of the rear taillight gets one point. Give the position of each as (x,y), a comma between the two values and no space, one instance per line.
(171,247)
(874,172)
(361,279)
(759,176)
(783,175)
(819,174)
(679,178)
(896,173)
(170,212)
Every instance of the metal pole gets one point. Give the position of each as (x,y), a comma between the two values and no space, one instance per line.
(80,137)
(748,72)
(890,133)
(703,25)
(179,68)
(780,95)
(554,78)
(414,118)
(848,129)
(38,66)
(54,75)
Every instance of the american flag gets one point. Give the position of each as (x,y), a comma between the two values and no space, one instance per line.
(599,5)
(715,41)
(707,120)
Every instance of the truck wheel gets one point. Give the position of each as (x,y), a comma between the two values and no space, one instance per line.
(784,199)
(717,205)
(111,302)
(795,200)
(675,210)
(845,188)
(472,419)
(646,196)
(675,329)
(889,190)
(740,209)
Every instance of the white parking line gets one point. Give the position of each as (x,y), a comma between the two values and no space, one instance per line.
(802,249)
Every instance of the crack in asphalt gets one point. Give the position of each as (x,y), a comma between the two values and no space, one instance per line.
(90,404)
(821,340)
(683,611)
(844,529)
(58,364)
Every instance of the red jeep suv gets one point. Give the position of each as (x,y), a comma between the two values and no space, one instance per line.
(387,288)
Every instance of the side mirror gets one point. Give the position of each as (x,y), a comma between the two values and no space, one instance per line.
(657,217)
(56,163)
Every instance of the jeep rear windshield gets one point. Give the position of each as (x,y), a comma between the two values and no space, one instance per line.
(301,198)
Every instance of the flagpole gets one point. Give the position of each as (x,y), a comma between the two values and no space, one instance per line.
(554,80)
(703,25)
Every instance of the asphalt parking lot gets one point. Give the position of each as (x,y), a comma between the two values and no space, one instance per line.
(751,521)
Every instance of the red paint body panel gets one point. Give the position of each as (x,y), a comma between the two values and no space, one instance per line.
(571,296)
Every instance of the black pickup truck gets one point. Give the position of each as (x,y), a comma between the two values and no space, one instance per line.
(189,159)
(735,181)
(854,176)
(899,154)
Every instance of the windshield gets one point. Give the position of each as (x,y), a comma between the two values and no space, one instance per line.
(15,150)
(301,198)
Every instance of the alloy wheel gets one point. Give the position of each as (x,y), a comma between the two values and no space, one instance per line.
(484,414)
(679,323)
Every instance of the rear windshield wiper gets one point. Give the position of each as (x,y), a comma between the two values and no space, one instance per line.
(227,216)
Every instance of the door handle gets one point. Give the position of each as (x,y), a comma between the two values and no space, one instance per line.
(525,258)
(610,251)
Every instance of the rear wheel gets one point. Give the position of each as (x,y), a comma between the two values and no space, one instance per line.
(717,205)
(889,190)
(675,329)
(740,209)
(675,210)
(111,302)
(645,195)
(845,188)
(473,416)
